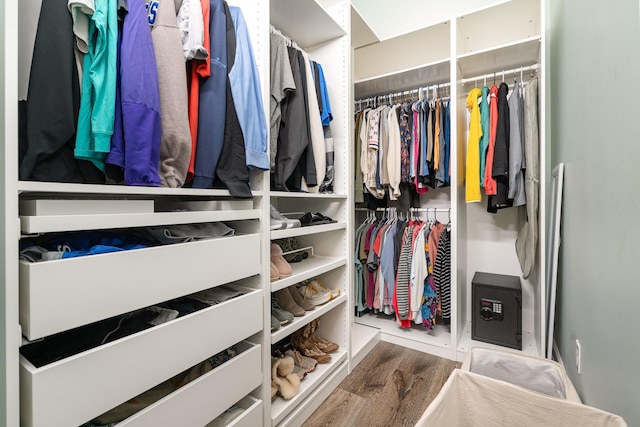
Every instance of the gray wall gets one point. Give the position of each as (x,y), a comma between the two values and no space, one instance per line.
(594,113)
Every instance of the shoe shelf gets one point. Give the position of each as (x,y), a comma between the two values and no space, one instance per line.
(305,231)
(280,408)
(299,195)
(56,223)
(307,269)
(114,190)
(300,322)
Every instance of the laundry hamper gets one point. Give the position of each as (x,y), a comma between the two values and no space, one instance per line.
(468,399)
(531,372)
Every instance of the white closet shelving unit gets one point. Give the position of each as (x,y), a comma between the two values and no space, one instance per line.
(487,241)
(462,48)
(321,28)
(56,296)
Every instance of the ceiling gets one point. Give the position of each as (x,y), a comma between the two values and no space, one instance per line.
(378,20)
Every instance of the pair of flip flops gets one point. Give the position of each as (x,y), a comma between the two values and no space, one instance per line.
(315,219)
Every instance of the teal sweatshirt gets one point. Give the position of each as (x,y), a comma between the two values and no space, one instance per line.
(97,102)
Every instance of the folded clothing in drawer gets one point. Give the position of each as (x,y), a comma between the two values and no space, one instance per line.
(67,343)
(138,403)
(76,244)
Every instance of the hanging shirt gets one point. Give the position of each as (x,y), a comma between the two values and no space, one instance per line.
(247,96)
(442,275)
(135,145)
(199,69)
(501,153)
(281,84)
(175,147)
(393,158)
(472,193)
(516,152)
(484,140)
(490,185)
(98,99)
(213,101)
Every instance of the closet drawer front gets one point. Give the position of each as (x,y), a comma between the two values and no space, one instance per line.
(252,415)
(76,389)
(204,399)
(64,294)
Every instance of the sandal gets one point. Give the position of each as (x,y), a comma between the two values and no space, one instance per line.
(325,218)
(311,219)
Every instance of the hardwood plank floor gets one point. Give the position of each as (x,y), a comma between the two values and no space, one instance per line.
(392,386)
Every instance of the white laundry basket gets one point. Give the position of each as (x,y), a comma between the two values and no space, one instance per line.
(533,373)
(468,399)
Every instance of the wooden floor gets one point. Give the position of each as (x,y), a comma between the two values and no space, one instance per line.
(392,386)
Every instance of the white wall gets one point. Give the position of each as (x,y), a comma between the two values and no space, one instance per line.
(594,66)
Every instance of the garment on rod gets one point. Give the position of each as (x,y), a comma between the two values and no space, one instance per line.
(394,270)
(472,193)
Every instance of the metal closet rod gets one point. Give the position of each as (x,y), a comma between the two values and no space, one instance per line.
(410,209)
(288,39)
(500,73)
(432,87)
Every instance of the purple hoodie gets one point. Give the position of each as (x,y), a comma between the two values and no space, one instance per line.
(135,145)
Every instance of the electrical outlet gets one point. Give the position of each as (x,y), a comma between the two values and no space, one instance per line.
(578,357)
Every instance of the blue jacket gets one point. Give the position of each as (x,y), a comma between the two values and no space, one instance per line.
(135,145)
(245,87)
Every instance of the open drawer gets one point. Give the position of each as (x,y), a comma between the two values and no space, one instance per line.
(63,294)
(76,389)
(251,415)
(210,395)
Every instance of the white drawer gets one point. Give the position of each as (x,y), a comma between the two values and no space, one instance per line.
(208,396)
(64,294)
(76,389)
(251,415)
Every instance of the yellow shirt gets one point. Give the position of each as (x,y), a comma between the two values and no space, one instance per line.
(472,193)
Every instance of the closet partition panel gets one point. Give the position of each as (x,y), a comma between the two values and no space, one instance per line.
(9,233)
(321,29)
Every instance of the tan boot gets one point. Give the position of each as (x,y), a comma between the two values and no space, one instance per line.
(323,345)
(305,345)
(286,302)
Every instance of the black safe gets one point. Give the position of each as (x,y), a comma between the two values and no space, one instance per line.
(497,309)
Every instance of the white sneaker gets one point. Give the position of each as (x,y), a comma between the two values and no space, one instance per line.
(289,223)
(322,288)
(277,225)
(313,295)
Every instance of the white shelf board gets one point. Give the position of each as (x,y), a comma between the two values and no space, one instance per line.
(305,21)
(363,339)
(305,231)
(55,223)
(69,188)
(299,322)
(280,408)
(301,195)
(439,337)
(307,269)
(505,57)
(412,78)
(466,343)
